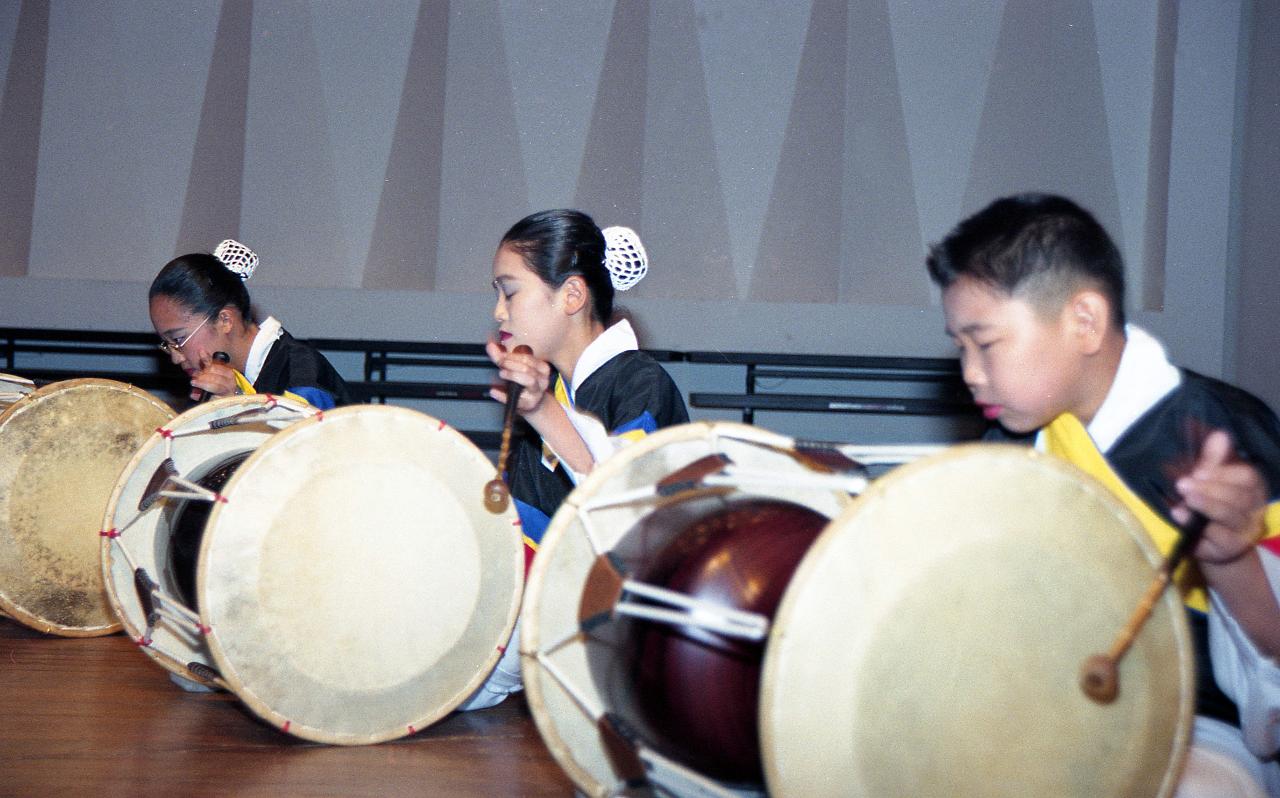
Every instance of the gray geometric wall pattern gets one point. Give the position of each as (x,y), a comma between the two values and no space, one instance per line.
(771,152)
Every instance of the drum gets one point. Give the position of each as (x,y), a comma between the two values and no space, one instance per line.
(928,643)
(350,587)
(977,582)
(62,448)
(156,517)
(723,507)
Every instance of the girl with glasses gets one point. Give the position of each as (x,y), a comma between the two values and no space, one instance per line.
(200,308)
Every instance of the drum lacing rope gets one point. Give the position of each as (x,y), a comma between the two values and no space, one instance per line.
(251,414)
(736,476)
(194,491)
(167,606)
(595,713)
(657,766)
(114,534)
(879,454)
(183,616)
(637,496)
(690,612)
(561,643)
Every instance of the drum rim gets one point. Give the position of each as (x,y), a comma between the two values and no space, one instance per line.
(23,405)
(774,651)
(231,675)
(561,523)
(197,415)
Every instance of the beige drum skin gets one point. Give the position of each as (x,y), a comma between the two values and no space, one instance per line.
(931,642)
(351,586)
(62,448)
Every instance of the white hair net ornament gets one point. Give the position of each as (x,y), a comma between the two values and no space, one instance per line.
(624,257)
(237,257)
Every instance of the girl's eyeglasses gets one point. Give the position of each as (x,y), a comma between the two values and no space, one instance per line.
(176,345)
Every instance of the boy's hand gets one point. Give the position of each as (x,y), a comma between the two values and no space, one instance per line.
(1230,493)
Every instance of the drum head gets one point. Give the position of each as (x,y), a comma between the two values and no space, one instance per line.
(195,443)
(931,642)
(354,585)
(61,451)
(557,671)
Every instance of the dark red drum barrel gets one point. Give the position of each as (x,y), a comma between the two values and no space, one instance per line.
(693,693)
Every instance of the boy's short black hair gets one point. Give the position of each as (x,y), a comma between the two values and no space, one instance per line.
(1039,246)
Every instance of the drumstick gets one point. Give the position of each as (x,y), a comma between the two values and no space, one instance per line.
(199,395)
(496,494)
(1099,674)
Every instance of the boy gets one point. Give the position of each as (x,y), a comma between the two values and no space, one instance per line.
(1033,294)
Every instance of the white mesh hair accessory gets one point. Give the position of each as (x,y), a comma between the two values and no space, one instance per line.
(624,257)
(237,257)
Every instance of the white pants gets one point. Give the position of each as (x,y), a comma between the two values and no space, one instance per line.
(1220,766)
(503,680)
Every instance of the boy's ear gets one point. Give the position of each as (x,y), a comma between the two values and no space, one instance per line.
(573,294)
(1089,314)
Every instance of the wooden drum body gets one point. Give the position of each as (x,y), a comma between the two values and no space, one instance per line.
(351,586)
(62,448)
(655,516)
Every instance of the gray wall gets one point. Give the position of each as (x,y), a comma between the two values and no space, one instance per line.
(1254,349)
(785,162)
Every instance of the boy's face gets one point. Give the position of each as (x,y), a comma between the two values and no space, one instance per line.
(1023,367)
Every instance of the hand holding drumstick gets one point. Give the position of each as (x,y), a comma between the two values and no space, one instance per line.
(1223,500)
(496,494)
(212,378)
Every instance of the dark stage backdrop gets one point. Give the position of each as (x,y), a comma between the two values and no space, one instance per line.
(786,163)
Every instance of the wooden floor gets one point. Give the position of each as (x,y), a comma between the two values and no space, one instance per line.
(94,716)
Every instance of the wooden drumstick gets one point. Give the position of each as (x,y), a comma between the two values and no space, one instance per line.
(1099,674)
(496,495)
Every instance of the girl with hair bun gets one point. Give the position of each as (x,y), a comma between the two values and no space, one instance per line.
(586,389)
(200,309)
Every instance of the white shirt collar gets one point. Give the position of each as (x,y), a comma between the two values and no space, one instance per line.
(609,344)
(1145,376)
(269,330)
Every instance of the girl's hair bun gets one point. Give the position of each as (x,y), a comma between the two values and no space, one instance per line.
(238,258)
(624,257)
